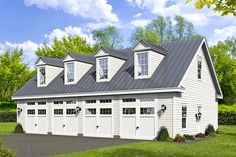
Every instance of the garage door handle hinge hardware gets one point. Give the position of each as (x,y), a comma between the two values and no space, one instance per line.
(35,124)
(97,126)
(64,125)
(137,127)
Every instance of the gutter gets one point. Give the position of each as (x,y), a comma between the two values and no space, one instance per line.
(103,93)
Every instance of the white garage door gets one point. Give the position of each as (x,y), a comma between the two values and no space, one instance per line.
(98,122)
(64,121)
(138,122)
(37,121)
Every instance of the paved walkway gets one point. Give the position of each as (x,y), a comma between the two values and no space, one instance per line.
(47,145)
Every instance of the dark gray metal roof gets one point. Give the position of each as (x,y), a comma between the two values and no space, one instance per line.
(52,61)
(83,58)
(152,46)
(168,74)
(115,53)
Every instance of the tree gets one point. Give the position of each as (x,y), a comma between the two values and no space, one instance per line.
(162,30)
(109,36)
(225,7)
(14,73)
(223,57)
(61,47)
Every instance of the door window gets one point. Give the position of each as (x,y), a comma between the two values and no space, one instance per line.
(105,111)
(147,110)
(90,111)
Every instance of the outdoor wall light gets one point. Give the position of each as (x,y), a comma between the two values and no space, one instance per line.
(77,109)
(198,115)
(163,108)
(19,110)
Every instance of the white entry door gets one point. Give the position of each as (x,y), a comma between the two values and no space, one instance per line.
(98,121)
(138,122)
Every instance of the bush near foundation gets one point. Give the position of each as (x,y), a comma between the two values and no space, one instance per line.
(163,134)
(200,135)
(179,138)
(19,128)
(209,130)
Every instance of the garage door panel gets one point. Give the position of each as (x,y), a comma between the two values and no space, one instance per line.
(105,128)
(57,124)
(31,121)
(42,125)
(129,126)
(147,127)
(70,125)
(90,125)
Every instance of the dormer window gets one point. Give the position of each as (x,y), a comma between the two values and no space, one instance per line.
(142,64)
(70,72)
(42,76)
(103,68)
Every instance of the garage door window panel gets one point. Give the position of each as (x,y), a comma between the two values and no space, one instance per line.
(30,103)
(41,103)
(129,111)
(70,112)
(58,111)
(90,101)
(31,112)
(58,102)
(42,112)
(147,110)
(90,111)
(70,102)
(105,111)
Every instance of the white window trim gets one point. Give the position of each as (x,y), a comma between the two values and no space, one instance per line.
(98,67)
(136,64)
(184,105)
(201,59)
(65,74)
(38,76)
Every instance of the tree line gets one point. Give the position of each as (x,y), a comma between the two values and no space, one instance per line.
(14,73)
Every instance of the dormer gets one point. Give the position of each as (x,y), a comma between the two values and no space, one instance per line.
(75,66)
(147,58)
(47,70)
(108,62)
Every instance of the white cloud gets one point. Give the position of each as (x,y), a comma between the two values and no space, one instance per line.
(157,6)
(28,47)
(97,25)
(69,30)
(99,9)
(137,15)
(140,22)
(221,34)
(197,19)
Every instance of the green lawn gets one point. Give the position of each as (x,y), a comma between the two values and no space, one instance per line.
(224,145)
(7,128)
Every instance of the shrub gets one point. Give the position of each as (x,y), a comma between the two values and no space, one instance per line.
(8,116)
(227,117)
(19,128)
(189,137)
(163,134)
(209,130)
(200,135)
(7,106)
(179,138)
(5,152)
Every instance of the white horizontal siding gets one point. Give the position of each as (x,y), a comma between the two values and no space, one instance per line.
(198,92)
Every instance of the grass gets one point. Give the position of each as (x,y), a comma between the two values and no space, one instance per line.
(7,128)
(222,145)
(227,108)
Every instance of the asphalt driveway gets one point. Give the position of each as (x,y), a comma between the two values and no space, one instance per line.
(47,145)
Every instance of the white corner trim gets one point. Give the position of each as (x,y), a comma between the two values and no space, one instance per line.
(118,92)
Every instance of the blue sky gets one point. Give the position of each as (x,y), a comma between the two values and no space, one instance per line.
(29,23)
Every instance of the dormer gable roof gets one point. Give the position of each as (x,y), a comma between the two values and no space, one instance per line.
(113,52)
(86,58)
(57,62)
(150,46)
